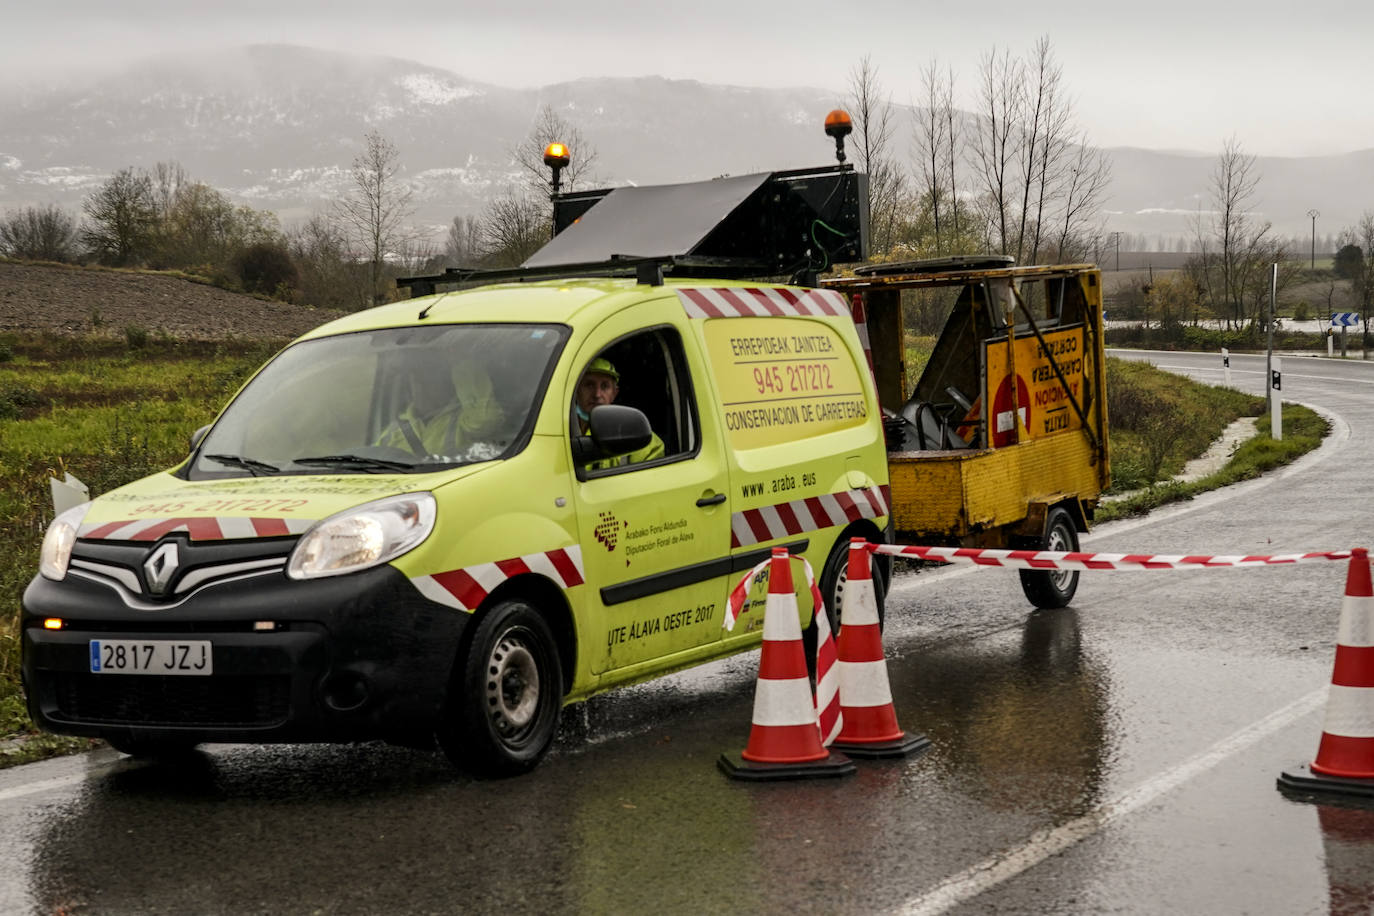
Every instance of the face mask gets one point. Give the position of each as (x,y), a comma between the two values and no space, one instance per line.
(582,414)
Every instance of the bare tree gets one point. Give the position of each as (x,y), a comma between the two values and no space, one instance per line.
(513,227)
(871,111)
(931,142)
(462,247)
(1081,192)
(551,127)
(1045,148)
(39,234)
(328,277)
(375,208)
(995,141)
(120,216)
(169,180)
(1229,239)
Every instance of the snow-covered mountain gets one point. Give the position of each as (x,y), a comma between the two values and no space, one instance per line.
(278,126)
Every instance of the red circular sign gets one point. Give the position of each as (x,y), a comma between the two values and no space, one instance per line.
(1003,419)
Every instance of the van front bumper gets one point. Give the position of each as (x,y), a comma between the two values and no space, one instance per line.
(347,658)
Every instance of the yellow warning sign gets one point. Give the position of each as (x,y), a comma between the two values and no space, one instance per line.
(1042,401)
(782,379)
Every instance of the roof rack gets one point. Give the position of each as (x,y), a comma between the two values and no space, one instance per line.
(646,270)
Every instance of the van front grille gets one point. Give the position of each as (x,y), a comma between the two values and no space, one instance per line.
(145,699)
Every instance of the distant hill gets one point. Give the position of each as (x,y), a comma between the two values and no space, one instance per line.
(277,127)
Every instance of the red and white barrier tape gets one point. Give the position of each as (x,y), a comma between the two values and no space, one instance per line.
(1050,559)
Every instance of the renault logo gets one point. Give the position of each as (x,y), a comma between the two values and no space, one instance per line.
(160,567)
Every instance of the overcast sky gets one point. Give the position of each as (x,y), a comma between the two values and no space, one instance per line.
(1283,79)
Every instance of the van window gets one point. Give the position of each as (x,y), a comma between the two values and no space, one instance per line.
(783,379)
(393,400)
(650,374)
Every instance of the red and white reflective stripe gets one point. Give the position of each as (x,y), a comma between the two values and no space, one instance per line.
(1347,744)
(829,714)
(769,523)
(466,588)
(199,529)
(1050,559)
(861,324)
(760,302)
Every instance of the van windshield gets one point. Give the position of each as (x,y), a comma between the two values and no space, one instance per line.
(396,400)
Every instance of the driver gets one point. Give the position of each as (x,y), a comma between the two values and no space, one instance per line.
(599,385)
(446,412)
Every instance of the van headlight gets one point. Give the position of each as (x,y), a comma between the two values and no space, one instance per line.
(363,537)
(59,541)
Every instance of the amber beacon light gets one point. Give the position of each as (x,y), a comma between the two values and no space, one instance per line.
(556,157)
(838,125)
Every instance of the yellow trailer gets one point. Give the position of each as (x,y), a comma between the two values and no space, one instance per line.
(1002,440)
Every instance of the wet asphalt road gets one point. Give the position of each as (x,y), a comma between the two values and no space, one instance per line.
(1115,756)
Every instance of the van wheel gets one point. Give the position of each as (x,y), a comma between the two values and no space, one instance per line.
(506,695)
(834,576)
(1052,588)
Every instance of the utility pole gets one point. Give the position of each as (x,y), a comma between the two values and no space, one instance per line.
(1314,214)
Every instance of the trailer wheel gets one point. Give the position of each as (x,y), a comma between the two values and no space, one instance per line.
(1052,588)
(507,692)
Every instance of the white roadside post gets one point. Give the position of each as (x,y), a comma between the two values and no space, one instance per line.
(1275,401)
(1226,366)
(1270,364)
(1330,340)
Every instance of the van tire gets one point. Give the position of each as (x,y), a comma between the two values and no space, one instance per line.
(1053,588)
(506,695)
(834,574)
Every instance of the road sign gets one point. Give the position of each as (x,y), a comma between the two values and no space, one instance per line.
(1345,319)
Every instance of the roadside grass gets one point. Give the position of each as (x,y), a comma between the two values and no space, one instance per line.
(1303,431)
(109,412)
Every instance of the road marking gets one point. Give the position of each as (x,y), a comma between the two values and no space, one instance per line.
(1288,373)
(1049,842)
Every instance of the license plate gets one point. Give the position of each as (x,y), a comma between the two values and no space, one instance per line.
(150,656)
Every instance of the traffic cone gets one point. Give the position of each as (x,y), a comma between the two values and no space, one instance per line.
(1345,756)
(870,722)
(785,740)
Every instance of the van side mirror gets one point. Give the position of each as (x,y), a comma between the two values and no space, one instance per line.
(615,429)
(199,435)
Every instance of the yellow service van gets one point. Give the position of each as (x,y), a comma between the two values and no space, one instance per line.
(451,516)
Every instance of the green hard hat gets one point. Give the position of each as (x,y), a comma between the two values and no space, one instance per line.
(604,367)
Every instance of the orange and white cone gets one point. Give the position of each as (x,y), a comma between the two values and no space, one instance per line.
(785,740)
(1345,756)
(870,721)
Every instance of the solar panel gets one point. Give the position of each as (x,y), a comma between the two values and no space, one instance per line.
(631,221)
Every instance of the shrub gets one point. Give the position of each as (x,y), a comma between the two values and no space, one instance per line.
(266,268)
(16,398)
(39,234)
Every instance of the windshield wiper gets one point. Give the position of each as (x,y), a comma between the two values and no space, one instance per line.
(362,462)
(251,465)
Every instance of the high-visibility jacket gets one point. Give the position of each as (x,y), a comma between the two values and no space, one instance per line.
(649,452)
(473,417)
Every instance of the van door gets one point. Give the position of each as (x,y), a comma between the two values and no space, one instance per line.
(654,525)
